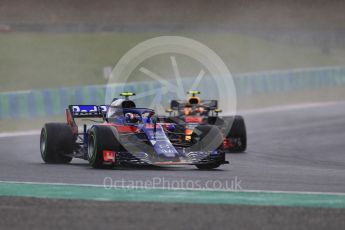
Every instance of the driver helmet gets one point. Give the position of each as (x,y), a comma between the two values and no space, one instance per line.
(132,118)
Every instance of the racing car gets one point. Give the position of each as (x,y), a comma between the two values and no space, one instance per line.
(127,135)
(194,112)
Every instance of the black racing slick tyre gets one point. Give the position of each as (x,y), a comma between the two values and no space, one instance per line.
(206,138)
(56,143)
(208,166)
(238,130)
(102,138)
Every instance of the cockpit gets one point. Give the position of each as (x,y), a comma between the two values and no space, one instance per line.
(125,111)
(117,106)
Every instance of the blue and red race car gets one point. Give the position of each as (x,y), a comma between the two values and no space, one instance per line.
(127,135)
(194,112)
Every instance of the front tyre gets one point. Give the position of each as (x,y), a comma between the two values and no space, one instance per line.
(206,138)
(102,138)
(56,143)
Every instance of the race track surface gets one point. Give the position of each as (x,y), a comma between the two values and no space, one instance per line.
(301,149)
(17,213)
(298,149)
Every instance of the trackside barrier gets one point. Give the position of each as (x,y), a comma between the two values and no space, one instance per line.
(37,103)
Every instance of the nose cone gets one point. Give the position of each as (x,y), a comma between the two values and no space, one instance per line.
(165,150)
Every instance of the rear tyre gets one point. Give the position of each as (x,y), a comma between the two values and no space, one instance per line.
(238,130)
(56,142)
(102,138)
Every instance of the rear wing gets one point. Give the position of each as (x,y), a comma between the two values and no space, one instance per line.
(82,111)
(180,104)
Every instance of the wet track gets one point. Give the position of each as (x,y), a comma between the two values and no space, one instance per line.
(299,149)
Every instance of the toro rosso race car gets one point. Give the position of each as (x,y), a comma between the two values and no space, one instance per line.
(127,135)
(194,112)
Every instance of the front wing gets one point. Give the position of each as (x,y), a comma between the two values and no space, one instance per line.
(191,158)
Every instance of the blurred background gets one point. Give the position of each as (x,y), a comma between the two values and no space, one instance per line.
(54,53)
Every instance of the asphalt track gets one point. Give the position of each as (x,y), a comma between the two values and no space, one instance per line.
(293,149)
(301,149)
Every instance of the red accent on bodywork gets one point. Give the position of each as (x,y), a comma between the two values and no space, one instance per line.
(71,122)
(167,125)
(150,126)
(193,119)
(109,156)
(188,131)
(227,144)
(123,128)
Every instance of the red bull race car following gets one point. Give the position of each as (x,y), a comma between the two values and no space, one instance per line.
(194,112)
(127,135)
